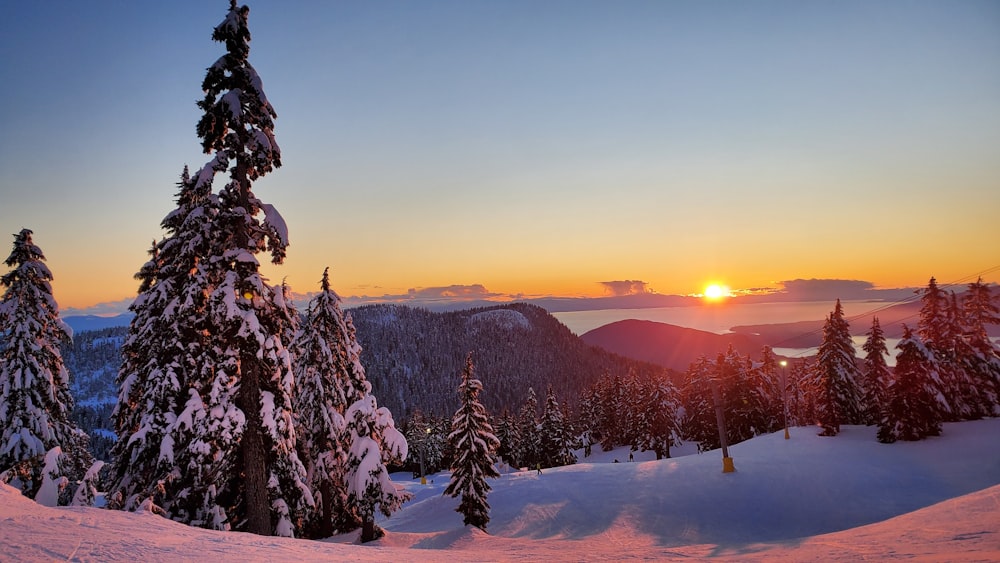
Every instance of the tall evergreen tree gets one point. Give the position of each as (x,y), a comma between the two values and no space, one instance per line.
(836,375)
(329,378)
(933,325)
(913,411)
(35,401)
(983,360)
(766,381)
(698,423)
(657,415)
(957,383)
(556,444)
(230,450)
(746,397)
(475,448)
(875,376)
(344,438)
(509,434)
(260,479)
(613,421)
(527,423)
(165,355)
(938,330)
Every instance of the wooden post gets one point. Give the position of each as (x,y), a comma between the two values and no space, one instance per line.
(784,395)
(720,418)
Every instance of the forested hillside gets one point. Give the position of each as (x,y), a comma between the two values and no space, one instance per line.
(92,359)
(414,357)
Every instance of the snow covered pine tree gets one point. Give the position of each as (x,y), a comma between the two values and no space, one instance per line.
(983,363)
(836,376)
(328,378)
(555,442)
(914,411)
(375,442)
(875,377)
(249,408)
(475,447)
(166,357)
(347,440)
(230,452)
(37,437)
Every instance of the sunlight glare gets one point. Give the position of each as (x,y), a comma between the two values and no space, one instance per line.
(715,292)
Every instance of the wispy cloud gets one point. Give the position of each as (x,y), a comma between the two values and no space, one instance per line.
(826,290)
(448,296)
(626,287)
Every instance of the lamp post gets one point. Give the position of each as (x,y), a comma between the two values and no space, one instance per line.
(784,395)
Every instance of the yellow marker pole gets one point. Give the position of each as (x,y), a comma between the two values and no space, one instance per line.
(727,465)
(720,418)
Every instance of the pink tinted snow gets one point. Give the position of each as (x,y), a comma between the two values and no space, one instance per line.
(810,498)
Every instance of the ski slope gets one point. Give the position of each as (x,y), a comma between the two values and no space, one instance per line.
(846,498)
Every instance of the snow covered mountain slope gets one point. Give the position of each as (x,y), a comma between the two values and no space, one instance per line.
(846,498)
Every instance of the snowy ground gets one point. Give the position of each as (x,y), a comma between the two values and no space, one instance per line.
(847,498)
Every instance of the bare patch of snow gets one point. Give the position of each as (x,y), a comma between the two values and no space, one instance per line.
(507,319)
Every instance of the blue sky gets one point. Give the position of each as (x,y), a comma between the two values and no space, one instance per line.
(530,148)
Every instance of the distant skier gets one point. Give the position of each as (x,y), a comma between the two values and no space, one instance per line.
(538,466)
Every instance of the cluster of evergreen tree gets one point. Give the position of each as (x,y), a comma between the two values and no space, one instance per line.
(529,441)
(230,414)
(42,452)
(427,436)
(634,411)
(946,370)
(749,393)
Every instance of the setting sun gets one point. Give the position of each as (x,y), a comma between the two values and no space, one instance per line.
(714,292)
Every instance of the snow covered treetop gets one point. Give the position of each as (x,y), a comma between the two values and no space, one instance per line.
(238,116)
(234,31)
(24,249)
(26,259)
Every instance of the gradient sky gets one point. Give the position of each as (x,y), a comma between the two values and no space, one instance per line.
(535,148)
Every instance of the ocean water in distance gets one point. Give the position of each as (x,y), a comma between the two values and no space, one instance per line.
(720,317)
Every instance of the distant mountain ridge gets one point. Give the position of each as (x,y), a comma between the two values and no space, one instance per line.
(671,346)
(83,323)
(809,334)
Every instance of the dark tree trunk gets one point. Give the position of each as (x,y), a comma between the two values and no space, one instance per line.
(252,447)
(326,523)
(254,452)
(368,530)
